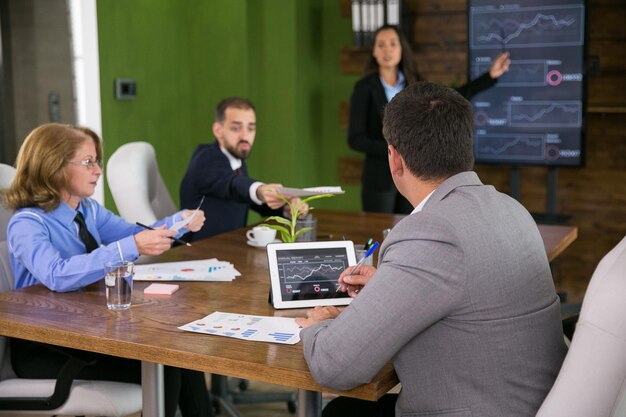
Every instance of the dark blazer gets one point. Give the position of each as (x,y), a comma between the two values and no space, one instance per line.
(226,193)
(365,133)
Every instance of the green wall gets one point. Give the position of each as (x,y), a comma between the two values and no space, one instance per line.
(337,88)
(282,54)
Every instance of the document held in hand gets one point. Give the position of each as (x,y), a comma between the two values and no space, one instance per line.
(305,192)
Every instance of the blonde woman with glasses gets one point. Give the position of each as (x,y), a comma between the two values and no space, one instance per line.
(61,238)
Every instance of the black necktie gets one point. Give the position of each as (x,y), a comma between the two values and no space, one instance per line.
(84,235)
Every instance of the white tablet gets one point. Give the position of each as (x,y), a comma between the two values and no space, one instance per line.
(305,274)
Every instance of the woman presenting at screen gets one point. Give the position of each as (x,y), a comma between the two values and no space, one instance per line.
(391,68)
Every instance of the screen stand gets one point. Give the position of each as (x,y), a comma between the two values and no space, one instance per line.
(515,182)
(550,216)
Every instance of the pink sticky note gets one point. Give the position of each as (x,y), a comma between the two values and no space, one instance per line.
(161,289)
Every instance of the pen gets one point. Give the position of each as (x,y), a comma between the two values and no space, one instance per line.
(356,267)
(175,239)
(369,253)
(368,244)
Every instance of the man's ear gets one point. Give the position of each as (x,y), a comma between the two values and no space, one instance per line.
(217,130)
(396,162)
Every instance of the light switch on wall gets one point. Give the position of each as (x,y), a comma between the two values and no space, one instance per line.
(125,89)
(54,106)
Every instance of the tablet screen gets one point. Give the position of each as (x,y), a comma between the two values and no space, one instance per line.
(310,273)
(306,274)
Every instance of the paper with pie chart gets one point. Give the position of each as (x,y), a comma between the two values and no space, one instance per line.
(282,330)
(202,270)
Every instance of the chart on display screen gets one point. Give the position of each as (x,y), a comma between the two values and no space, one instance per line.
(311,273)
(534,113)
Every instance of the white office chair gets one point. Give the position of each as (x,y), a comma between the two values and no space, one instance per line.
(64,396)
(592,380)
(136,184)
(7,173)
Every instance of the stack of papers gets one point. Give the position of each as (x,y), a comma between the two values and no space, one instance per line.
(245,327)
(203,270)
(304,192)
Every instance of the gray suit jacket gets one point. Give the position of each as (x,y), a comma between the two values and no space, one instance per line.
(463,303)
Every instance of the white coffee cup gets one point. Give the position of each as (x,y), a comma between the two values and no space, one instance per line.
(261,235)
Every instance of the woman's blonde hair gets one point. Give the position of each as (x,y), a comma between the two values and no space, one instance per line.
(40,175)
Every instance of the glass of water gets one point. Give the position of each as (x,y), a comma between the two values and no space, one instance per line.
(118,280)
(359,252)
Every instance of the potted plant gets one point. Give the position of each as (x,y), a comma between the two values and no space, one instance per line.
(287,227)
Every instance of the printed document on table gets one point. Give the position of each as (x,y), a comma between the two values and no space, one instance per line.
(305,192)
(203,270)
(245,327)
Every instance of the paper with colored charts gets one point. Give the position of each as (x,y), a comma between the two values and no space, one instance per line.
(202,270)
(242,326)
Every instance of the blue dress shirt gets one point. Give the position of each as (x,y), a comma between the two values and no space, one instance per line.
(391,91)
(45,247)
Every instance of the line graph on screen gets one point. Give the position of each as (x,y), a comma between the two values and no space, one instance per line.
(313,271)
(527,26)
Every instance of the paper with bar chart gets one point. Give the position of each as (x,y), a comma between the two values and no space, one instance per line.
(202,270)
(282,330)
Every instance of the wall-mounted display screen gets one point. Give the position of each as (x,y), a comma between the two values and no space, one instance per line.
(534,115)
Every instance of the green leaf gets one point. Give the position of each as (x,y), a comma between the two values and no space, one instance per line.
(282,197)
(276,227)
(285,237)
(288,234)
(316,197)
(278,219)
(299,232)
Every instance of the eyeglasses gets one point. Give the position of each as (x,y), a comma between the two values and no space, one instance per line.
(87,163)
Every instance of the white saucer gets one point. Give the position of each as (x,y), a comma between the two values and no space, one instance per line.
(256,245)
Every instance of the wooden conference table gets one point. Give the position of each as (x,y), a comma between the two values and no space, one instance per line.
(148,331)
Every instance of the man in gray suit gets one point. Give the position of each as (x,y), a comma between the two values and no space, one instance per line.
(462,301)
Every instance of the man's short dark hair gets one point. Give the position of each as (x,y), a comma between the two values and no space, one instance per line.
(236,102)
(431,126)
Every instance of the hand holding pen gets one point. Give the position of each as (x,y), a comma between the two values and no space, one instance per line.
(182,242)
(355,278)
